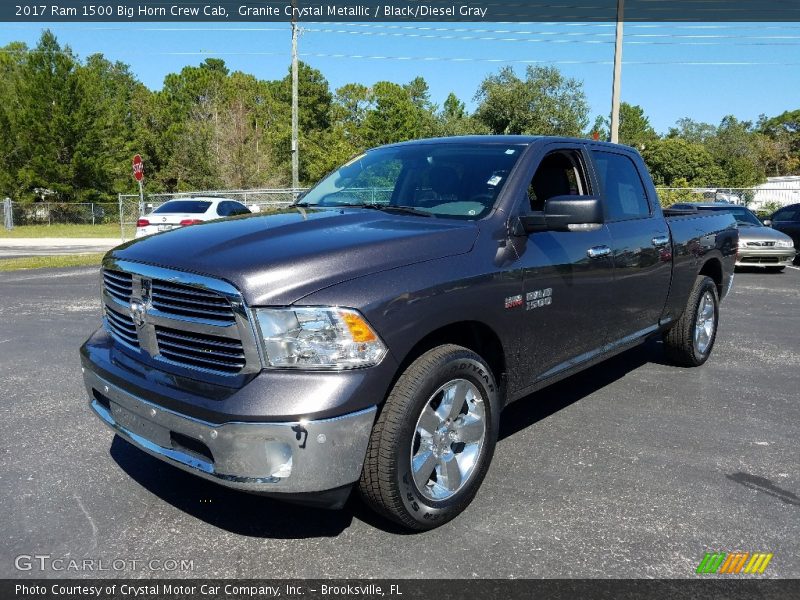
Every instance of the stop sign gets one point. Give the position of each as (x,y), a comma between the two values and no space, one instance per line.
(138,168)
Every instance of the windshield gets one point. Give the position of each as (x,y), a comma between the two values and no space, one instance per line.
(184,206)
(449,179)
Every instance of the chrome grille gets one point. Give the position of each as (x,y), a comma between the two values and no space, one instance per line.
(118,284)
(182,320)
(188,301)
(199,350)
(122,327)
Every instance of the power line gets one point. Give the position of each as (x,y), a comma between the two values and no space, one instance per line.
(435,58)
(714,39)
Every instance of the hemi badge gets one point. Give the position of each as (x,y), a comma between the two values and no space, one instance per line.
(514,301)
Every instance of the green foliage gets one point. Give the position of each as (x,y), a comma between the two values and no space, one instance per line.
(782,143)
(634,127)
(736,148)
(673,161)
(544,103)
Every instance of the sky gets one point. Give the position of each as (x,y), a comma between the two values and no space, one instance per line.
(673,70)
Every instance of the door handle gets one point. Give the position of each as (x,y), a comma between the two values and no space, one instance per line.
(660,240)
(598,251)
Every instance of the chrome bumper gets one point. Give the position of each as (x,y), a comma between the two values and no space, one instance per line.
(298,457)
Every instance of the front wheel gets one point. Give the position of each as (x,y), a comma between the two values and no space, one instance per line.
(434,439)
(690,340)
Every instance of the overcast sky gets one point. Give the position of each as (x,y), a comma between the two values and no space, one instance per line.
(703,71)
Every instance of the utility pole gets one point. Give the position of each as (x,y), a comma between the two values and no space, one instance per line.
(295,108)
(617,85)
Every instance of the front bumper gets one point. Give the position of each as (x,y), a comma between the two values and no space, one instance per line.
(282,457)
(765,257)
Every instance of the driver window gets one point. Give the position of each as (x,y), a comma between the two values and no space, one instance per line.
(560,173)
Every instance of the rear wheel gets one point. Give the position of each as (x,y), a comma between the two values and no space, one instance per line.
(434,439)
(691,339)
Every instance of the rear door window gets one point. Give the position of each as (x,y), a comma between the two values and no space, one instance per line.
(625,192)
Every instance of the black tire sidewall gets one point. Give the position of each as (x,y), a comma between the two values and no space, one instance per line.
(707,285)
(464,365)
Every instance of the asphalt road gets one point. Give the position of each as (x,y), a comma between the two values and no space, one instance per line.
(632,469)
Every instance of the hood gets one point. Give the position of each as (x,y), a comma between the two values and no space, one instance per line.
(762,234)
(279,258)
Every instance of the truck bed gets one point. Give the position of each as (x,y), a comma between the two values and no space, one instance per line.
(694,236)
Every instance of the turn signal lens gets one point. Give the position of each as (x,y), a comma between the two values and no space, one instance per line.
(142,223)
(359,330)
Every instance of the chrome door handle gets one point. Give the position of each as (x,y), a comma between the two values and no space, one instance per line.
(598,251)
(660,240)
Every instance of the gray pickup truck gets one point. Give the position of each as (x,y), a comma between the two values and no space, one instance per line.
(370,335)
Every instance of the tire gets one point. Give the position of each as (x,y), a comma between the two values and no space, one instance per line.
(687,343)
(775,269)
(413,426)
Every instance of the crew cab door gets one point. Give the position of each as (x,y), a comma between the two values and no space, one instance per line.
(641,244)
(567,275)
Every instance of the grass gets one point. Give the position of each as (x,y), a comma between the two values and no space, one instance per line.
(50,262)
(109,230)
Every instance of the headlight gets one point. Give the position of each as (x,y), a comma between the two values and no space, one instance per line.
(784,244)
(318,338)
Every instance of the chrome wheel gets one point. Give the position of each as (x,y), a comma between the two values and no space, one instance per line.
(448,439)
(705,324)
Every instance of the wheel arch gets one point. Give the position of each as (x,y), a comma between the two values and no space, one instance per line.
(474,335)
(713,268)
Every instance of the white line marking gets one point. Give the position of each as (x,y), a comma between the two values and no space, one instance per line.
(72,272)
(795,268)
(4,341)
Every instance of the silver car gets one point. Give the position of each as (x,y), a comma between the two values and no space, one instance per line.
(759,246)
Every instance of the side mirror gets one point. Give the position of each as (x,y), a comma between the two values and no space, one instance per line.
(767,223)
(563,213)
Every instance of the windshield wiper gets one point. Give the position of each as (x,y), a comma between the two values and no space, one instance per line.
(406,210)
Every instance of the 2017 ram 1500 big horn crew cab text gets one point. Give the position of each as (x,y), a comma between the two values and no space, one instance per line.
(371,334)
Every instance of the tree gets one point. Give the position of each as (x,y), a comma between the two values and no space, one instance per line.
(454,120)
(12,59)
(544,103)
(398,113)
(675,161)
(736,150)
(782,156)
(634,127)
(351,104)
(692,131)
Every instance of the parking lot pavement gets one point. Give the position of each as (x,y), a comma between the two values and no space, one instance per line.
(633,469)
(22,247)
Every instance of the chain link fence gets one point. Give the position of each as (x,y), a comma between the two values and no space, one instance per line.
(16,214)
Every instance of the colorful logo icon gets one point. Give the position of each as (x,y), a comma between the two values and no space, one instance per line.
(733,563)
